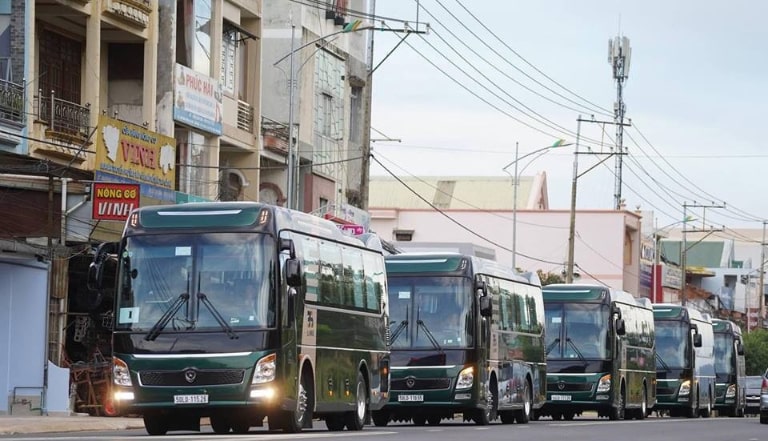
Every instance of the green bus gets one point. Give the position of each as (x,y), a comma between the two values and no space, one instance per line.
(730,371)
(600,352)
(240,311)
(684,361)
(467,336)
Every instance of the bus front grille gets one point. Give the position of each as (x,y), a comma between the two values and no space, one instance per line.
(569,387)
(192,377)
(420,383)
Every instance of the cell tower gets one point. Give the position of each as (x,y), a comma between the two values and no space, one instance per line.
(619,54)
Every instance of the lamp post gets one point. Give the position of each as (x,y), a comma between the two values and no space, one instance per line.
(515,182)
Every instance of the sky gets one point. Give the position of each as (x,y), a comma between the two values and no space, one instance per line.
(492,73)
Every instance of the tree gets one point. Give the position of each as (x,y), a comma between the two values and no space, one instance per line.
(756,351)
(549,278)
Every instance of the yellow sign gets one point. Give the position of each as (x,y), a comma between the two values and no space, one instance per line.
(126,153)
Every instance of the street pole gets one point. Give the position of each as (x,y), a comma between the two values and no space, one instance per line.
(514,212)
(683,252)
(761,289)
(572,224)
(291,155)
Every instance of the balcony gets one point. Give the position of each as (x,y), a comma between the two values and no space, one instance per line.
(134,12)
(65,120)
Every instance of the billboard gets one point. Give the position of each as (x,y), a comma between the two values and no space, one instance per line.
(130,154)
(197,100)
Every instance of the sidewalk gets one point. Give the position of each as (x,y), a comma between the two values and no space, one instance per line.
(10,425)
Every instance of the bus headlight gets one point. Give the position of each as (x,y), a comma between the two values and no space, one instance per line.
(466,378)
(604,384)
(264,371)
(685,388)
(121,376)
(731,391)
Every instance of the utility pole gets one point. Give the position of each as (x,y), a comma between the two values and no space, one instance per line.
(619,54)
(290,202)
(761,289)
(576,175)
(684,246)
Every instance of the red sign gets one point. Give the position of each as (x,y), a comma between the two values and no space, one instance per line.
(352,229)
(114,201)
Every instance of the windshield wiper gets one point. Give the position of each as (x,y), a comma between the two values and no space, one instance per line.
(398,331)
(552,346)
(165,318)
(223,323)
(661,360)
(575,349)
(431,337)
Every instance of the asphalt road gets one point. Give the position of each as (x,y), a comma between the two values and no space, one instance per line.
(580,429)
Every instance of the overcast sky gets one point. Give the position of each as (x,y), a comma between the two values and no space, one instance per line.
(696,96)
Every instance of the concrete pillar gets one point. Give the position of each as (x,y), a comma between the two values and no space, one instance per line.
(92,69)
(149,107)
(165,64)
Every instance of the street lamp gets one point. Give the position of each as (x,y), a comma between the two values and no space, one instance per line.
(515,179)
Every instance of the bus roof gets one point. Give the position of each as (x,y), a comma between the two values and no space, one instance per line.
(585,292)
(446,262)
(725,326)
(238,215)
(671,311)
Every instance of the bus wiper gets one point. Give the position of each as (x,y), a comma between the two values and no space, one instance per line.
(219,319)
(431,337)
(575,349)
(165,318)
(398,331)
(552,346)
(663,363)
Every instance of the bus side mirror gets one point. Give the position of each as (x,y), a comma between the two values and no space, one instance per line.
(616,311)
(293,272)
(287,245)
(697,340)
(621,328)
(95,278)
(486,307)
(481,288)
(739,348)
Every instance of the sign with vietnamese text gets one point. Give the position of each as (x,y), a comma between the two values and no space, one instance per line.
(197,100)
(112,201)
(130,154)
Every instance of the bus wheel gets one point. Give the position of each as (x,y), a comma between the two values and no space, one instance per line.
(707,411)
(568,416)
(557,416)
(219,424)
(334,423)
(419,420)
(523,416)
(483,417)
(643,411)
(356,420)
(618,412)
(155,425)
(380,418)
(434,420)
(295,420)
(241,425)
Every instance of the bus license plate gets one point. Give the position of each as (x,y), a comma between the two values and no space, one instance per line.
(402,397)
(190,399)
(561,398)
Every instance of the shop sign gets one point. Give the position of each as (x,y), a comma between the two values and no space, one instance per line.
(113,201)
(197,100)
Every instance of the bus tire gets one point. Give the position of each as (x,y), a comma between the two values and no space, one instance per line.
(434,420)
(419,420)
(220,424)
(483,417)
(380,418)
(355,420)
(643,411)
(295,420)
(523,416)
(155,425)
(618,412)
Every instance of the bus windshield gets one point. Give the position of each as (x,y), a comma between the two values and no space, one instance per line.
(430,312)
(189,282)
(576,330)
(724,364)
(672,345)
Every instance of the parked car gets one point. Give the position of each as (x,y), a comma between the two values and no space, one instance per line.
(755,386)
(764,399)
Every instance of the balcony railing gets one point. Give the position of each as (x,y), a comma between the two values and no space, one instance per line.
(244,116)
(11,102)
(62,116)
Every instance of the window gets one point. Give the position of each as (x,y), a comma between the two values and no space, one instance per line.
(229,50)
(60,66)
(356,114)
(403,235)
(326,114)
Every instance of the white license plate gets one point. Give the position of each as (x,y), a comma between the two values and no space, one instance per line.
(402,397)
(561,398)
(190,399)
